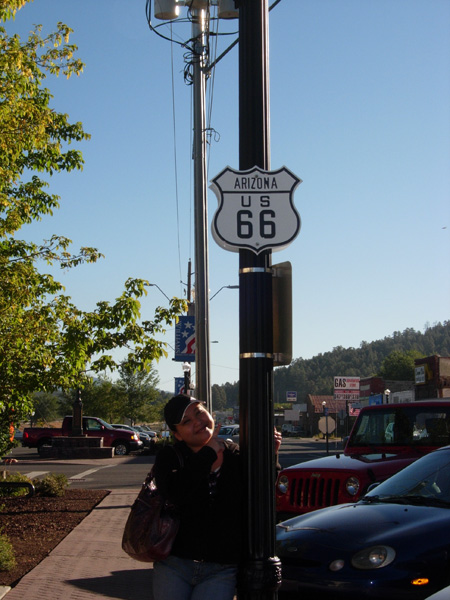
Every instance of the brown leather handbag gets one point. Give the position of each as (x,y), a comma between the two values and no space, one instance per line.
(152,524)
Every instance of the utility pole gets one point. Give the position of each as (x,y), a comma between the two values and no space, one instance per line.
(202,347)
(199,14)
(261,575)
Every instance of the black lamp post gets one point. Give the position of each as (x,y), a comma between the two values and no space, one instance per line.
(325,412)
(77,415)
(187,377)
(260,576)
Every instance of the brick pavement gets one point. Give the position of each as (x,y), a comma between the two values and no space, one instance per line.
(90,563)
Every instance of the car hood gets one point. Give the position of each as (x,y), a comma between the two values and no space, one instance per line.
(342,462)
(349,527)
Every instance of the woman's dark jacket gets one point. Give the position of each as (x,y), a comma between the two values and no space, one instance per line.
(210,527)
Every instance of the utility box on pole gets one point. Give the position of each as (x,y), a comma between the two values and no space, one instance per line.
(282,313)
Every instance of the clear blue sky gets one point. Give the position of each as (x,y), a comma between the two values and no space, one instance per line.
(360,111)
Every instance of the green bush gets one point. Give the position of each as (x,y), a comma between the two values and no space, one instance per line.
(7,558)
(14,491)
(52,485)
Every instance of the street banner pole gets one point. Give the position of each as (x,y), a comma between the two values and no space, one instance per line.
(261,575)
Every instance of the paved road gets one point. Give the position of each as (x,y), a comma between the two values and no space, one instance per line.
(121,472)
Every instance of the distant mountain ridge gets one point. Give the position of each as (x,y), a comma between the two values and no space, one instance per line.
(315,375)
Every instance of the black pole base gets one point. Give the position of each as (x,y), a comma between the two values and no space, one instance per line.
(260,579)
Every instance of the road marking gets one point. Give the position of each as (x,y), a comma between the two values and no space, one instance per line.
(89,472)
(35,474)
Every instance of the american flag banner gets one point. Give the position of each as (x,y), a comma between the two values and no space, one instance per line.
(179,385)
(185,339)
(353,411)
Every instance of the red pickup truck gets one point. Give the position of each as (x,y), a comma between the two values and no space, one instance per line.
(384,439)
(121,440)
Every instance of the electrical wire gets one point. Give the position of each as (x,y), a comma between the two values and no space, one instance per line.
(177,202)
(212,73)
(210,60)
(155,28)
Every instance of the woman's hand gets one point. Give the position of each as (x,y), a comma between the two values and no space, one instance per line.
(277,439)
(218,445)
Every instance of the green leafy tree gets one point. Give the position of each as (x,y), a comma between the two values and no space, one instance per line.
(399,366)
(46,407)
(218,397)
(99,397)
(46,342)
(137,392)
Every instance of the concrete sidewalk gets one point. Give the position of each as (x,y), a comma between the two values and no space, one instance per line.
(89,562)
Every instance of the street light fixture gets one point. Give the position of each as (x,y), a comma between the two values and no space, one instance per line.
(387,393)
(187,377)
(228,287)
(167,10)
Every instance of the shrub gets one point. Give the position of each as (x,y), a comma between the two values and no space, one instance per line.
(14,491)
(52,485)
(7,558)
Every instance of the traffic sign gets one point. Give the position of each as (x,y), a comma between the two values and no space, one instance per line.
(256,209)
(326,424)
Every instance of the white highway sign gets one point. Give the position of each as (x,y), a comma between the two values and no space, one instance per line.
(256,209)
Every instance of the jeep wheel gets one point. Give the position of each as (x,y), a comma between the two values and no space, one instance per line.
(121,448)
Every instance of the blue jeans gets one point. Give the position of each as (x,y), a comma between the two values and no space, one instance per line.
(184,579)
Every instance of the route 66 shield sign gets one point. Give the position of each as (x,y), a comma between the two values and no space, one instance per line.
(256,209)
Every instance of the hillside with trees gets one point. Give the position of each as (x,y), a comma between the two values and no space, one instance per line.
(315,375)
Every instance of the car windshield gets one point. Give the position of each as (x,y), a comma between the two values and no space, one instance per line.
(426,481)
(406,425)
(105,424)
(226,431)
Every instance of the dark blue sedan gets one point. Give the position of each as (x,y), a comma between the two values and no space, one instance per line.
(392,544)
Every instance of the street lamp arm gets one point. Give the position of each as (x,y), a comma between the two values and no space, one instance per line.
(228,287)
(157,286)
(232,45)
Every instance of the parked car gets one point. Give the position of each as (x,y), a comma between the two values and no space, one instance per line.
(151,435)
(229,432)
(381,443)
(145,438)
(288,430)
(123,441)
(146,430)
(393,543)
(443,594)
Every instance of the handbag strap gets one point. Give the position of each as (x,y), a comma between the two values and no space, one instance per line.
(180,457)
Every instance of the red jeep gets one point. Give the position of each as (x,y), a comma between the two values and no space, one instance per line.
(384,439)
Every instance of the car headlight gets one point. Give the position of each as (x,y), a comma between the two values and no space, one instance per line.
(283,484)
(135,437)
(374,557)
(352,485)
